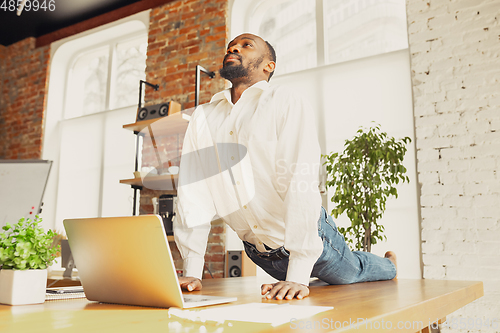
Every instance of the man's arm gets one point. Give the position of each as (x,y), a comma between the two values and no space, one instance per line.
(298,161)
(195,208)
(192,244)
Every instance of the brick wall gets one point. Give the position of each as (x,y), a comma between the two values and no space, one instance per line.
(3,55)
(455,50)
(183,34)
(23,85)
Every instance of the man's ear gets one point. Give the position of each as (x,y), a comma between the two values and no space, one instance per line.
(269,68)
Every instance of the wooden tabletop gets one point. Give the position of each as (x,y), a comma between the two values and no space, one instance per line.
(398,302)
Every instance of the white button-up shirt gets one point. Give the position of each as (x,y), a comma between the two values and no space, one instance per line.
(266,189)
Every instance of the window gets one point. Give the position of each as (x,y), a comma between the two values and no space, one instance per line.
(87,84)
(129,68)
(93,91)
(106,77)
(359,28)
(290,27)
(346,30)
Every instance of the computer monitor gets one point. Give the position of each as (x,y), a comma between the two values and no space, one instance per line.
(23,185)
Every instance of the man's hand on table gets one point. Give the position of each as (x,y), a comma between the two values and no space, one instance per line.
(285,290)
(190,283)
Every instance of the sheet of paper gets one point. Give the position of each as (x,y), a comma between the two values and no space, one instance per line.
(266,313)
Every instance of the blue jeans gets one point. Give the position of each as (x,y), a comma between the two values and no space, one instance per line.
(337,264)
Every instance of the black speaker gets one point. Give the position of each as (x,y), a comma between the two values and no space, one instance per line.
(166,209)
(157,110)
(234,264)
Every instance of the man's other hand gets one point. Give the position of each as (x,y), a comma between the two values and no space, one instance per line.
(190,283)
(285,290)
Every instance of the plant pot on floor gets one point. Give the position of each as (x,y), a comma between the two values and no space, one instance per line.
(18,287)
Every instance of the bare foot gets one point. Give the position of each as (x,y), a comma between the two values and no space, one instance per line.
(392,257)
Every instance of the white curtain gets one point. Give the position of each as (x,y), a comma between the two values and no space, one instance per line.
(96,152)
(352,94)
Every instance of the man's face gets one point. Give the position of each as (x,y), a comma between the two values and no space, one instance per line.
(244,58)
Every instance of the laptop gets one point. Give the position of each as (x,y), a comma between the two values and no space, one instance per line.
(127,260)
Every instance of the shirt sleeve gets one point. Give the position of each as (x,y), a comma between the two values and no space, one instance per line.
(297,167)
(192,244)
(195,207)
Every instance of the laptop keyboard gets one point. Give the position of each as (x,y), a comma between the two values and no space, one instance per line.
(195,298)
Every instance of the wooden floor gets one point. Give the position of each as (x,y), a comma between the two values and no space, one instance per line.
(410,305)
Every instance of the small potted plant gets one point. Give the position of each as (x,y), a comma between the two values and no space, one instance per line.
(26,251)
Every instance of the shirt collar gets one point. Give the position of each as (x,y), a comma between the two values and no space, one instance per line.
(226,93)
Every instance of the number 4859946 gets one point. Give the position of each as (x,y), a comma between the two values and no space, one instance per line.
(34,5)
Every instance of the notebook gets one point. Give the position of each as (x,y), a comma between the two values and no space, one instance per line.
(127,260)
(63,293)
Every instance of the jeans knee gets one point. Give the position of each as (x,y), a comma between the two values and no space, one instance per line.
(337,279)
(337,275)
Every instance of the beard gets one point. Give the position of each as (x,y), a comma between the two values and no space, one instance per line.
(233,71)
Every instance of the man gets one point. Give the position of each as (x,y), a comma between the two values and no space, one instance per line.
(267,191)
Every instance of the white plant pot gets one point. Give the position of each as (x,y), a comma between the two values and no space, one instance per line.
(22,286)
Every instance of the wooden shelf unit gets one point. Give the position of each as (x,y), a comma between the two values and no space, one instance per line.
(175,123)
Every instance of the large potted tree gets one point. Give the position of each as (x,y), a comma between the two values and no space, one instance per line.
(26,251)
(363,176)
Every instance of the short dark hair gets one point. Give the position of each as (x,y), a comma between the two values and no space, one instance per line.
(271,53)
